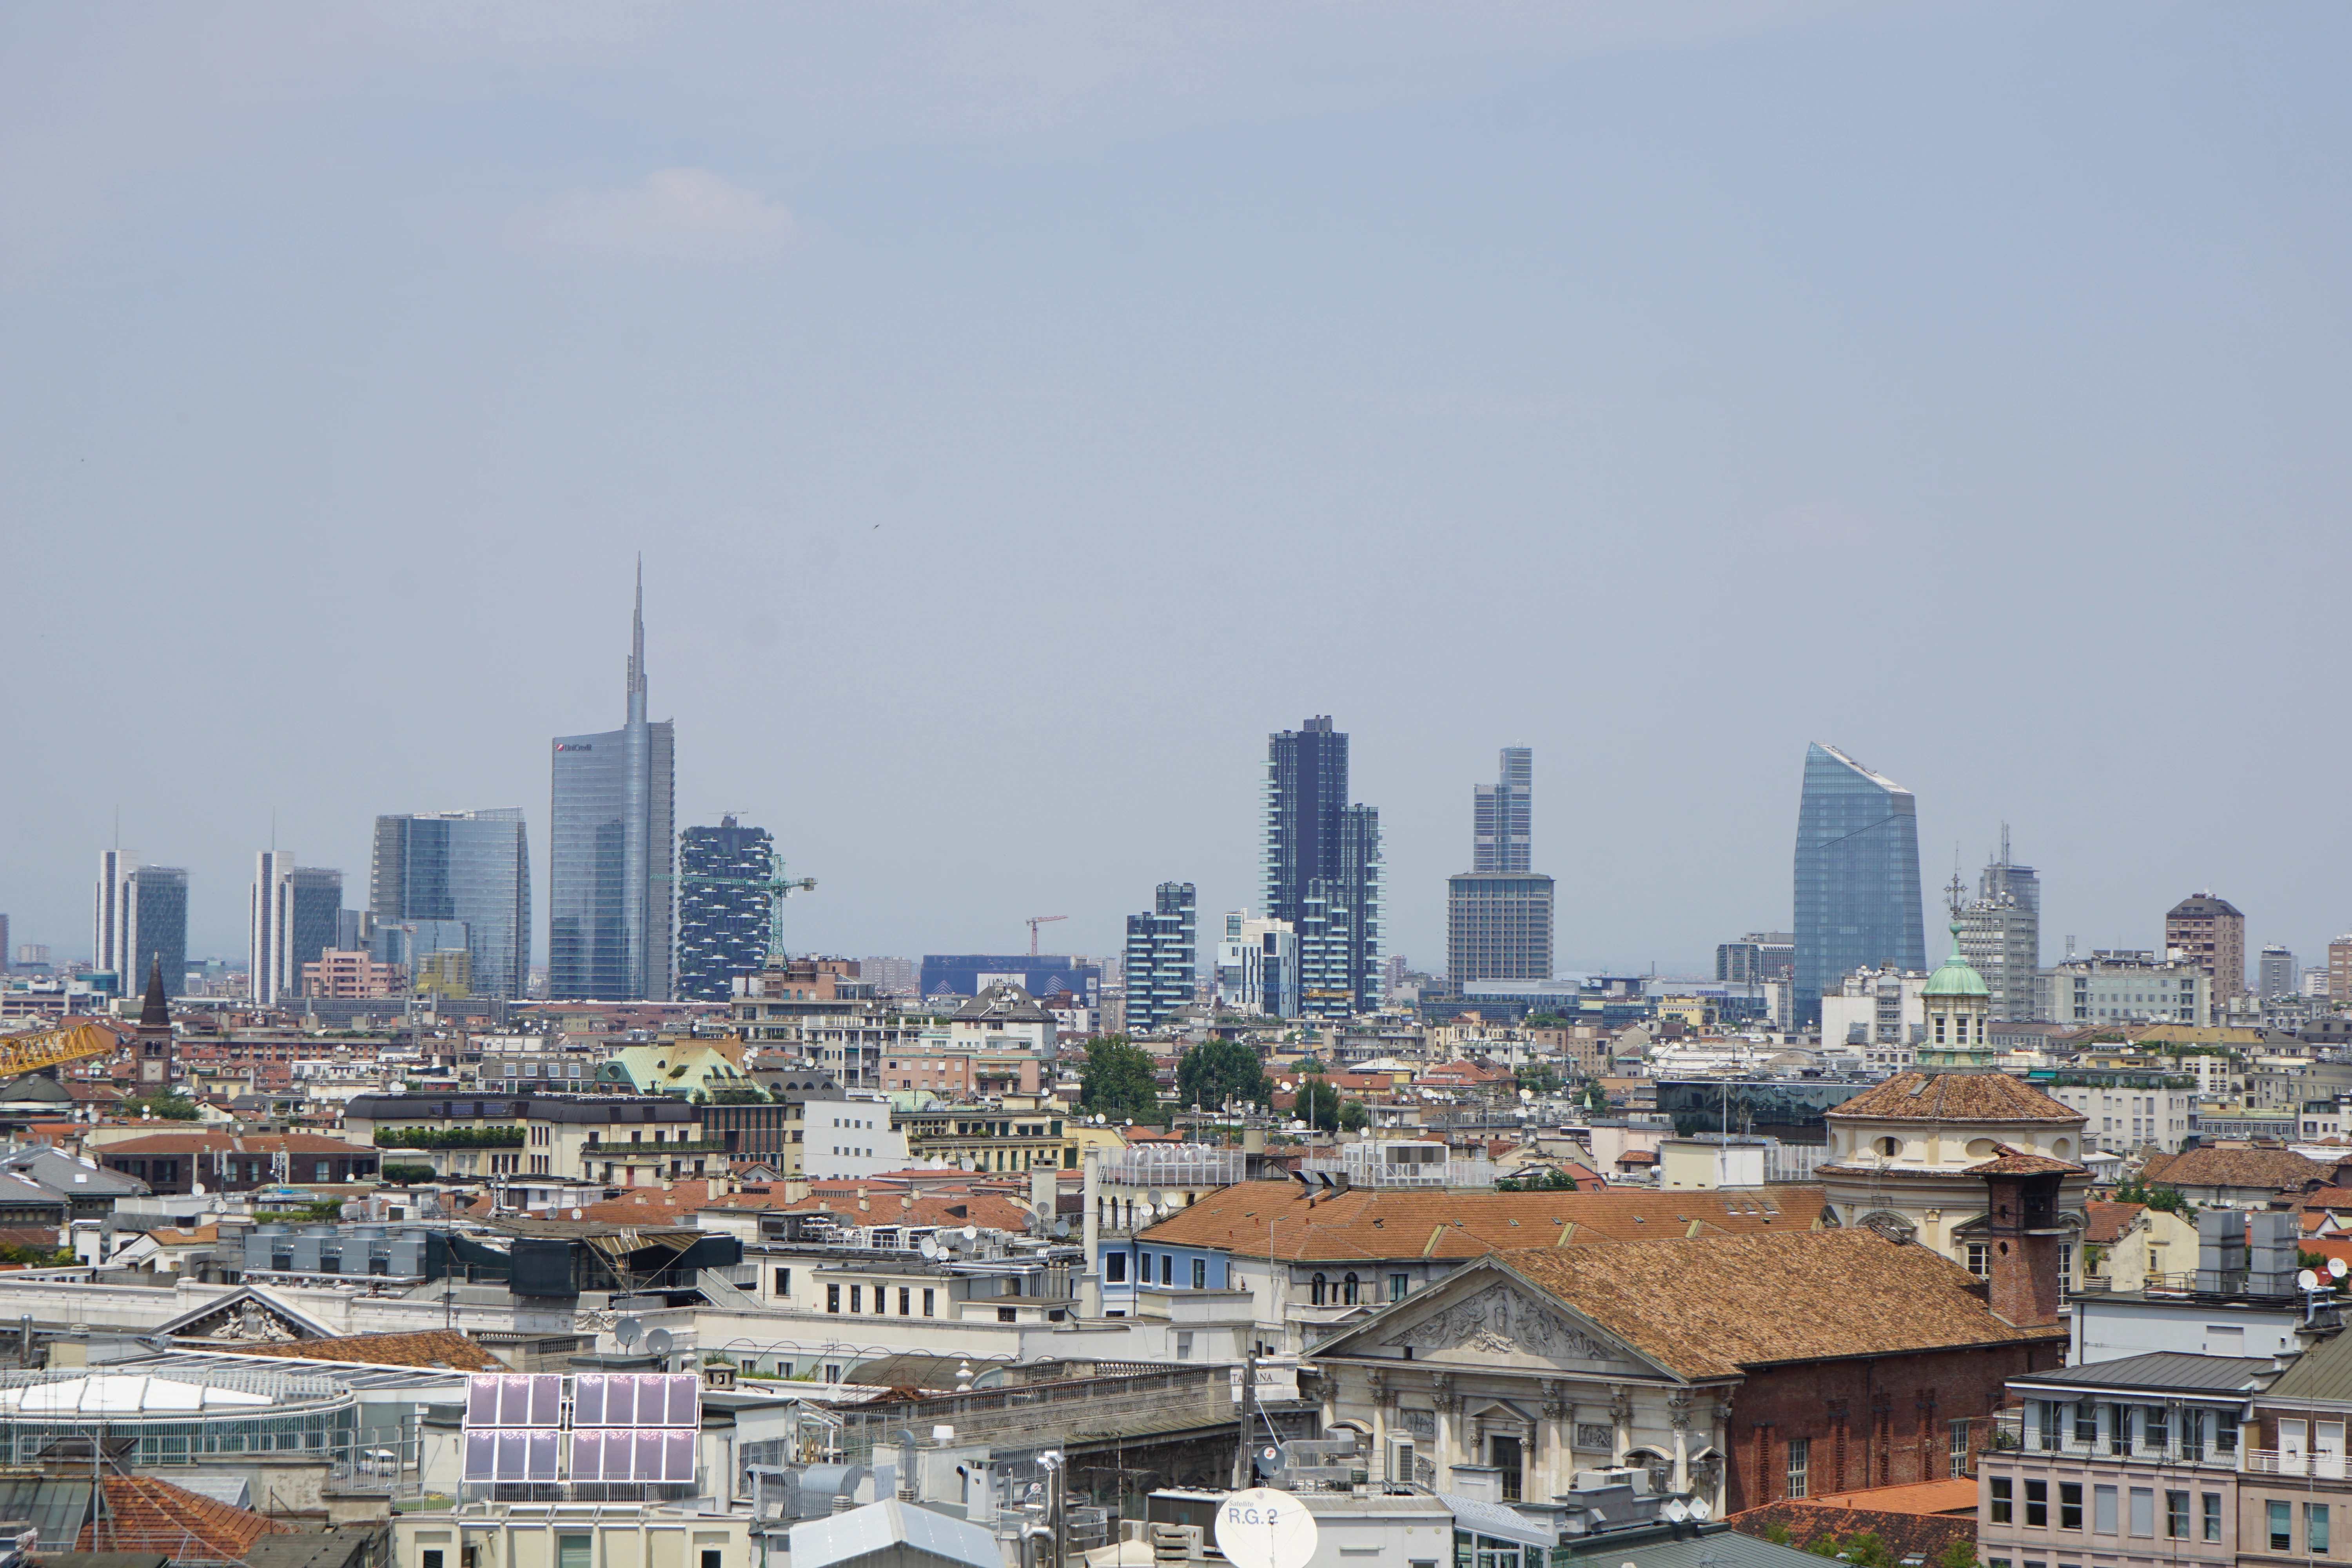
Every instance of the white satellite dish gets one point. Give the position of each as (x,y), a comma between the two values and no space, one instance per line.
(627,1330)
(2337,1268)
(1061,1227)
(658,1343)
(1677,1511)
(1152,1195)
(1263,1528)
(2307,1280)
(928,1247)
(1699,1510)
(971,1232)
(576,1215)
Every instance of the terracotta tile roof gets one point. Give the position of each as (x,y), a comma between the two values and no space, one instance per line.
(144,1514)
(2280,1170)
(2011,1162)
(1387,1223)
(983,1209)
(421,1348)
(1803,1295)
(1955,1097)
(2106,1222)
(1952,1497)
(1908,1535)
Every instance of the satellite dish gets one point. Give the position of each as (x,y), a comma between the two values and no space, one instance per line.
(1061,1227)
(658,1343)
(576,1214)
(928,1247)
(1263,1528)
(1677,1511)
(627,1330)
(1699,1510)
(2307,1280)
(971,1232)
(2336,1268)
(1152,1196)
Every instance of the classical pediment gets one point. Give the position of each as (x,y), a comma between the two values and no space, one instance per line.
(249,1316)
(1503,1322)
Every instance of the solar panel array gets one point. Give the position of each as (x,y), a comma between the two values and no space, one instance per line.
(629,1428)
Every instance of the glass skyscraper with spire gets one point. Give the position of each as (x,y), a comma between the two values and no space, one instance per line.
(1857,884)
(612,893)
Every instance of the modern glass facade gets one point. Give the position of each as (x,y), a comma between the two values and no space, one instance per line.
(722,906)
(156,903)
(466,869)
(1857,876)
(1163,957)
(611,898)
(295,914)
(1323,869)
(1501,831)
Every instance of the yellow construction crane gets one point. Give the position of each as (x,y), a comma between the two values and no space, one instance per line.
(54,1048)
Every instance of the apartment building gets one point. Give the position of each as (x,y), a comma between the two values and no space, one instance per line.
(618,1140)
(2125,1461)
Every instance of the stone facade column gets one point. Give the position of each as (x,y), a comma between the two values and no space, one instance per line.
(1559,1460)
(1678,1412)
(1719,1422)
(1621,1422)
(1449,1408)
(1377,1466)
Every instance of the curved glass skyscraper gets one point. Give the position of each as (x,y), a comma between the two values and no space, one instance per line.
(611,897)
(1857,876)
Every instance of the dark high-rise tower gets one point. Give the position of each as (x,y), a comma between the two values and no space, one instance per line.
(610,897)
(1162,958)
(1501,839)
(1857,882)
(1322,867)
(723,874)
(468,868)
(155,903)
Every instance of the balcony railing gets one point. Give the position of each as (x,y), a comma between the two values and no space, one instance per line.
(2323,1463)
(2011,1433)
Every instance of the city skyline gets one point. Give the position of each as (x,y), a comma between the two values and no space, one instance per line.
(341,345)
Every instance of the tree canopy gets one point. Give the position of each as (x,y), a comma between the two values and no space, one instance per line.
(1118,1079)
(170,1105)
(1319,1105)
(1211,1073)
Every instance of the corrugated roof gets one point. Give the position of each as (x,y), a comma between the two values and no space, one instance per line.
(2161,1369)
(1711,1307)
(1974,1097)
(2323,1372)
(1493,1519)
(1368,1224)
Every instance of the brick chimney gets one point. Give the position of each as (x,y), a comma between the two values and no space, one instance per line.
(2023,1235)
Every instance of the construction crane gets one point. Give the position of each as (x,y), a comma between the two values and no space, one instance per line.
(54,1048)
(776,889)
(1037,921)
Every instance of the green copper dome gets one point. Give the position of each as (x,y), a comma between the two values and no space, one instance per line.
(1955,977)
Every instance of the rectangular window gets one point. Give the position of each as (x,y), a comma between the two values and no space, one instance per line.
(2103,1511)
(1114,1267)
(1167,1269)
(2213,1517)
(2086,1423)
(2001,1489)
(2143,1511)
(2070,1505)
(573,1551)
(1959,1449)
(906,1301)
(2315,1528)
(1977,1264)
(856,1299)
(2192,1434)
(2176,1515)
(2156,1429)
(1800,1459)
(2225,1432)
(2037,1505)
(2282,1522)
(927,1303)
(2119,1425)
(1199,1273)
(832,1298)
(784,1281)
(2048,1423)
(1398,1284)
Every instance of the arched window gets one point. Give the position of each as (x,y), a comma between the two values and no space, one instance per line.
(1889,1147)
(1315,1290)
(1348,1290)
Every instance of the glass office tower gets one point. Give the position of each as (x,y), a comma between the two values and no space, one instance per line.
(723,874)
(611,898)
(471,868)
(1322,866)
(156,903)
(1501,832)
(1857,883)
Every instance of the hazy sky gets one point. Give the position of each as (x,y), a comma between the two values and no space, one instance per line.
(1022,409)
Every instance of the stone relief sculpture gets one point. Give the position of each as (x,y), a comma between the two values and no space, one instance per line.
(1499,1320)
